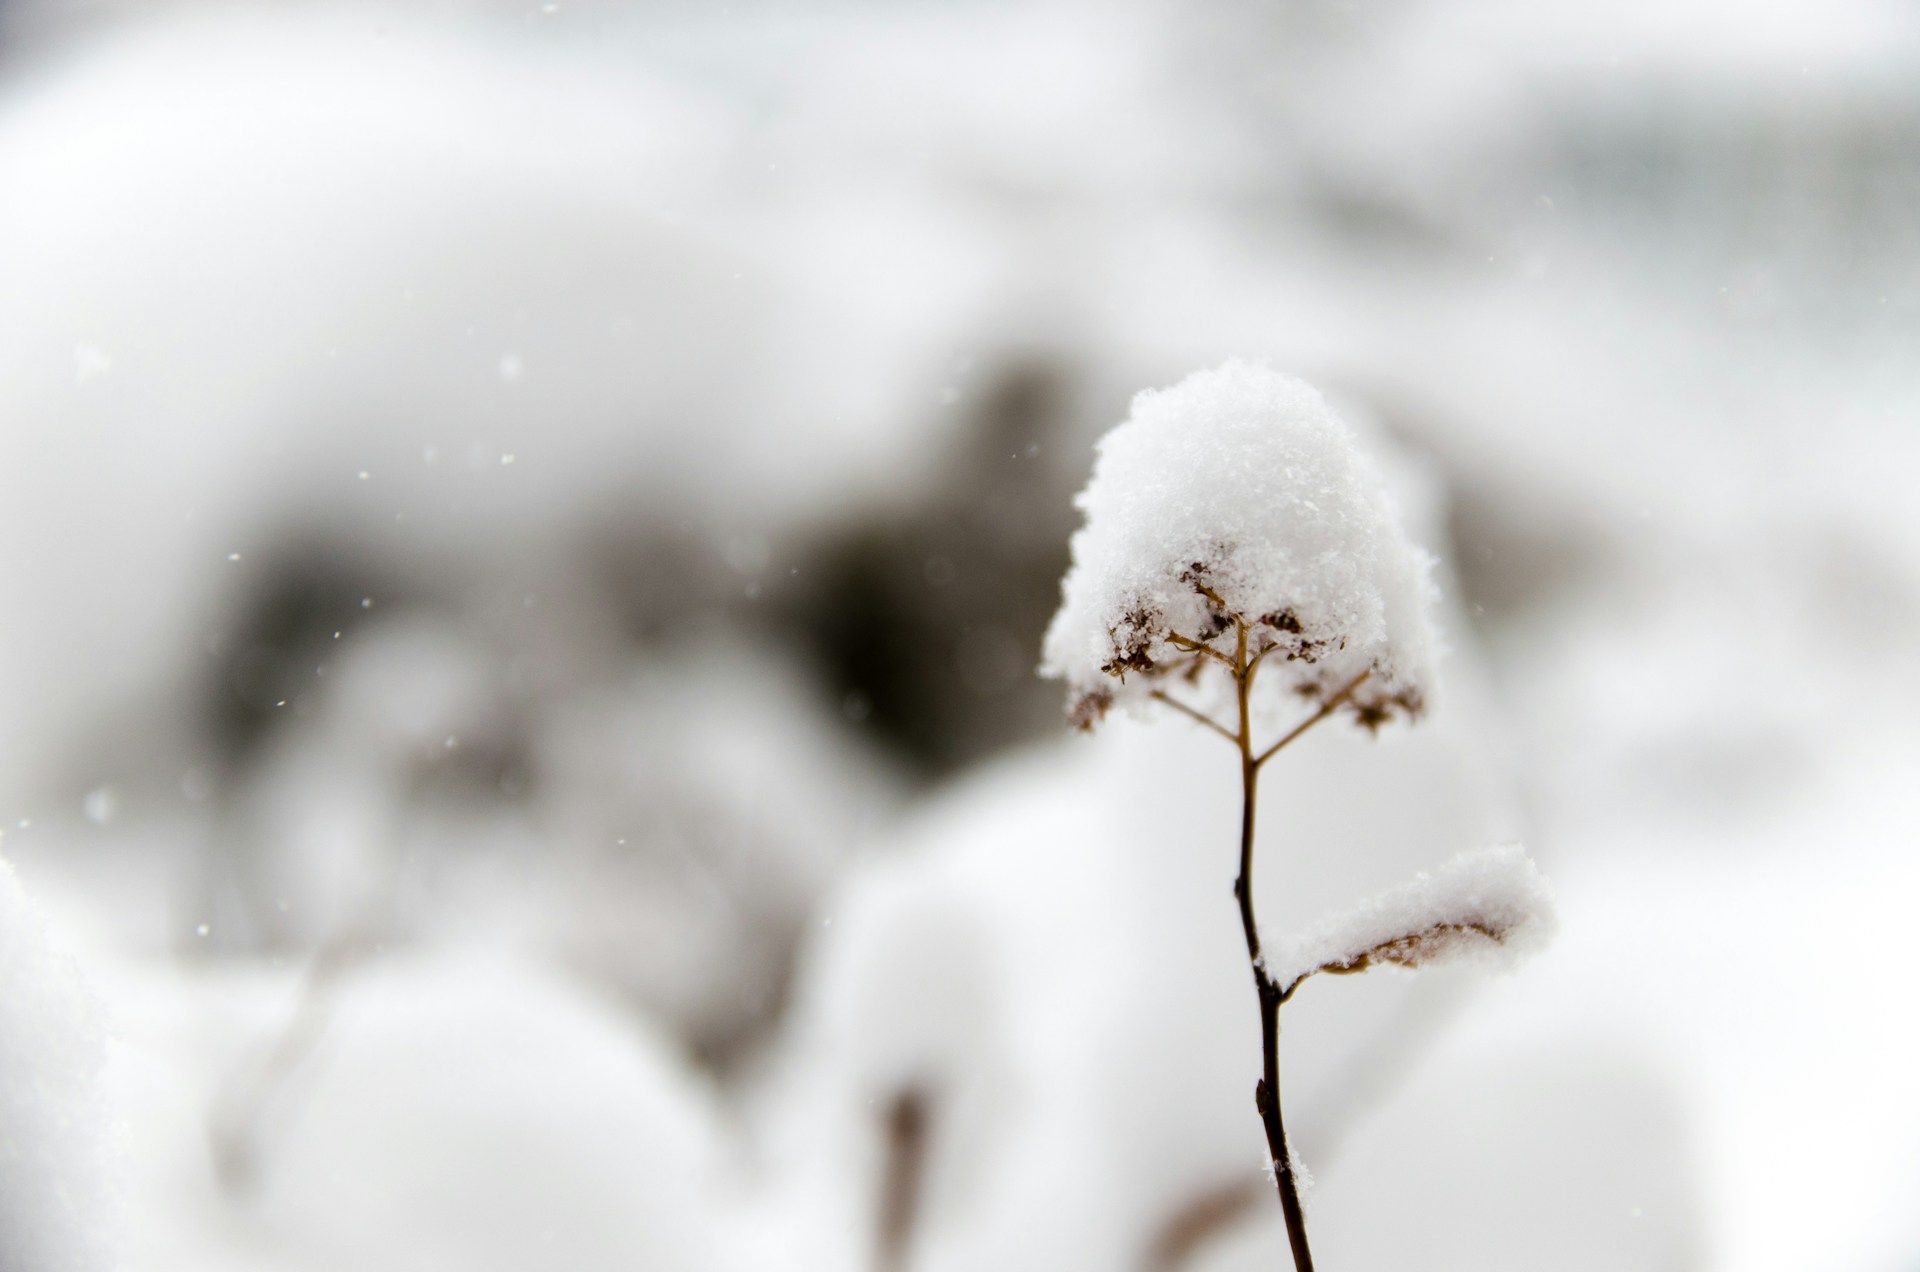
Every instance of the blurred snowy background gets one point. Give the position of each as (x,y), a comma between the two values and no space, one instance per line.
(524,534)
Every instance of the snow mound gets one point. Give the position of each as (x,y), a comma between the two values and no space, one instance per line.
(52,1047)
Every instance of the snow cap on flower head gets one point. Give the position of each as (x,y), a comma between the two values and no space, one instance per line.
(1234,497)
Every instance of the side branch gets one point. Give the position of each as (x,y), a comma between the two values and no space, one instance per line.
(1201,717)
(1412,949)
(1326,709)
(1261,656)
(1193,646)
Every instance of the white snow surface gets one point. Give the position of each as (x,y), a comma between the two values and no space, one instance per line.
(51,1138)
(1489,904)
(1247,474)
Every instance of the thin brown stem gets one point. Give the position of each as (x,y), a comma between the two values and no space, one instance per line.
(1261,654)
(1161,695)
(1327,708)
(1213,596)
(1193,646)
(1266,1093)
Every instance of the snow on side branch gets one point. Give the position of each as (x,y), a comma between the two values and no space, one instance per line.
(1238,498)
(1491,904)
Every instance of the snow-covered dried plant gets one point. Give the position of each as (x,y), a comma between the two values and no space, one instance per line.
(1240,554)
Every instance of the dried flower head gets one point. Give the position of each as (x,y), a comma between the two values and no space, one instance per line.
(1238,498)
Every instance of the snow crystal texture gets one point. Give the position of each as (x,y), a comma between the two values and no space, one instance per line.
(1243,483)
(1491,904)
(51,1049)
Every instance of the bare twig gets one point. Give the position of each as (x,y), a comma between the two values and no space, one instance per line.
(1261,654)
(1213,596)
(1191,645)
(1196,1223)
(237,1118)
(1327,708)
(240,1115)
(908,1126)
(1160,695)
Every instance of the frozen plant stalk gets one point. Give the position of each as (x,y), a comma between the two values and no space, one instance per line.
(1239,556)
